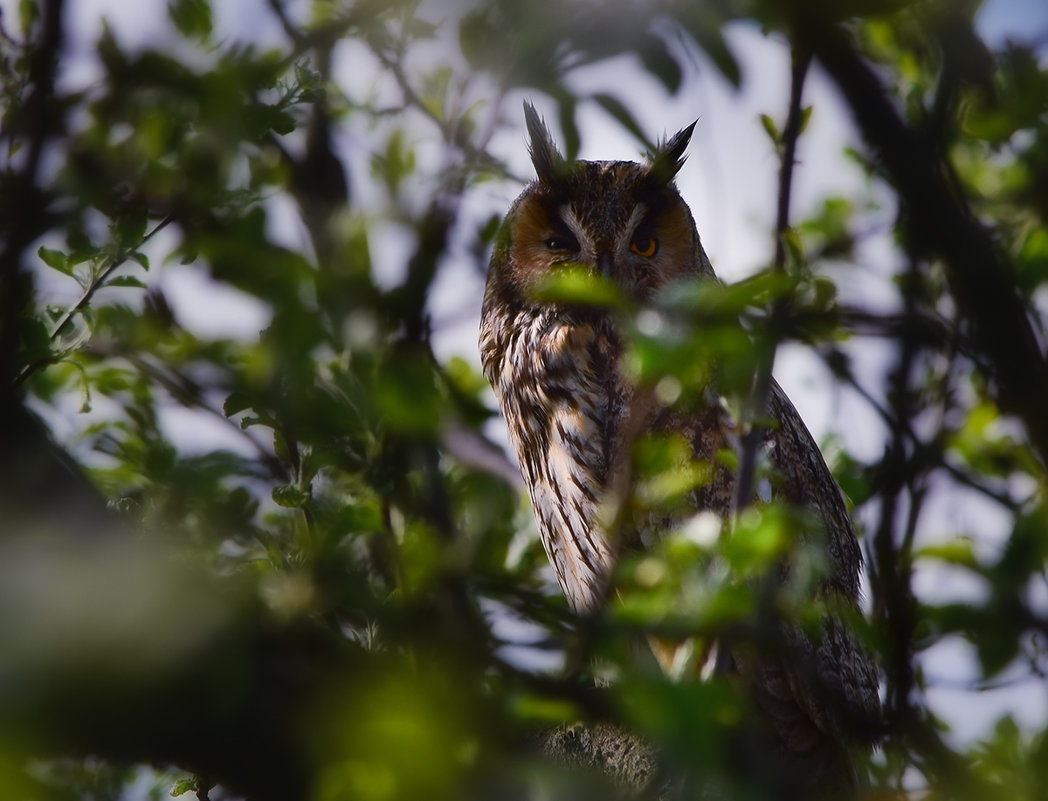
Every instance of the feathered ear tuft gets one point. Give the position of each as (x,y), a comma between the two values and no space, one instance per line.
(669,155)
(549,163)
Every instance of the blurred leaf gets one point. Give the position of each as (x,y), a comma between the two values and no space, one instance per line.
(692,719)
(407,396)
(666,471)
(36,340)
(125,281)
(468,381)
(575,284)
(261,119)
(183,786)
(617,110)
(569,130)
(705,25)
(129,228)
(28,15)
(55,259)
(761,535)
(1032,267)
(290,496)
(658,60)
(806,113)
(236,402)
(191,17)
(955,552)
(828,232)
(542,710)
(771,129)
(396,164)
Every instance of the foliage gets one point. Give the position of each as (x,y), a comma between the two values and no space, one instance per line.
(328,603)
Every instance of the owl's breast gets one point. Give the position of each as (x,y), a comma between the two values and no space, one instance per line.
(559,388)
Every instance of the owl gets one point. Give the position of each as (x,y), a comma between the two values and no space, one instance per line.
(574,413)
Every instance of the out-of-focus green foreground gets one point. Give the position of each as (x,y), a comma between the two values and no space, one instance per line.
(319,586)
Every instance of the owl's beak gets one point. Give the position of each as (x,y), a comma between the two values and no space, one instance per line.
(606,264)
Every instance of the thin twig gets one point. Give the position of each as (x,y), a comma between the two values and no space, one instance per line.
(893,592)
(290,29)
(23,204)
(98,282)
(777,319)
(185,391)
(940,222)
(920,446)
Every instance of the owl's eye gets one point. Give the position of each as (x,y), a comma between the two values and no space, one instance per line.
(564,242)
(645,246)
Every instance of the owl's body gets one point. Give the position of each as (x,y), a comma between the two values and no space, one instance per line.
(573,416)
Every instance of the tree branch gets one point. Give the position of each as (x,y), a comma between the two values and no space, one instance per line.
(23,210)
(940,224)
(800,60)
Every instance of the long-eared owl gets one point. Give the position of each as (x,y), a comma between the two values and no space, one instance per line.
(573,413)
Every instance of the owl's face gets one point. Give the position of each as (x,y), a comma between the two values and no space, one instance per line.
(610,217)
(621,220)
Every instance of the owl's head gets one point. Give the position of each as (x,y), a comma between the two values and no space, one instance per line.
(622,220)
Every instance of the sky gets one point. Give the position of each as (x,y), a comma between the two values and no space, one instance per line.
(729,181)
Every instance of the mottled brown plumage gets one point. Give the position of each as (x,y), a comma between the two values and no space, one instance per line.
(573,416)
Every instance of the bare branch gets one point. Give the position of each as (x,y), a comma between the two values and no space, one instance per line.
(762,385)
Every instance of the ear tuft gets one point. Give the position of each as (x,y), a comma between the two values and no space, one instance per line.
(549,163)
(669,155)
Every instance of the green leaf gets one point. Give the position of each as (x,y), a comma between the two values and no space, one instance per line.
(28,14)
(407,397)
(282,123)
(464,378)
(566,106)
(236,402)
(575,284)
(183,786)
(1032,263)
(543,710)
(805,119)
(659,61)
(290,496)
(955,552)
(191,17)
(771,129)
(36,340)
(129,228)
(617,110)
(761,535)
(794,248)
(55,259)
(996,639)
(420,28)
(260,118)
(708,35)
(396,163)
(126,281)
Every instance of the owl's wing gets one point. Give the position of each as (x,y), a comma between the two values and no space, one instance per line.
(804,699)
(819,694)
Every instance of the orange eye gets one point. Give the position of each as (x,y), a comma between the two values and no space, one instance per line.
(645,246)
